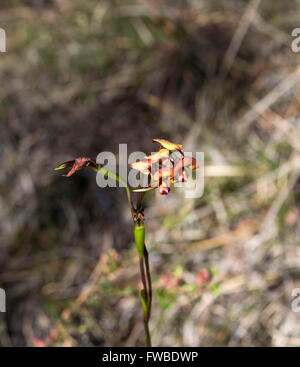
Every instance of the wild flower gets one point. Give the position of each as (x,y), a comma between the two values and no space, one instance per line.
(162,168)
(165,168)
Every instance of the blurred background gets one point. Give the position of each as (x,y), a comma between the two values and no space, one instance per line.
(80,77)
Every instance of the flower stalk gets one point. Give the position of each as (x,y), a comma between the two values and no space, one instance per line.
(165,173)
(146,293)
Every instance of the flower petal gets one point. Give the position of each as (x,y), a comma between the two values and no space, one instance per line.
(65,165)
(164,188)
(165,172)
(77,164)
(188,162)
(145,189)
(155,157)
(168,145)
(183,177)
(142,166)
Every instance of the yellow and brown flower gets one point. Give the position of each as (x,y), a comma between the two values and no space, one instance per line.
(166,172)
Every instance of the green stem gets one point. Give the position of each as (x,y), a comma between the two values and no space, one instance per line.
(148,337)
(148,274)
(146,319)
(142,270)
(146,295)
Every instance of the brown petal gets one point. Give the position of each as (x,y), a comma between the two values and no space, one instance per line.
(77,164)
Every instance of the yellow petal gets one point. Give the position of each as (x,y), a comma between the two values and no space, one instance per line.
(161,154)
(142,166)
(168,145)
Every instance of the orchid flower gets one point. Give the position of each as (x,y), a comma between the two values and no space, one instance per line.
(162,168)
